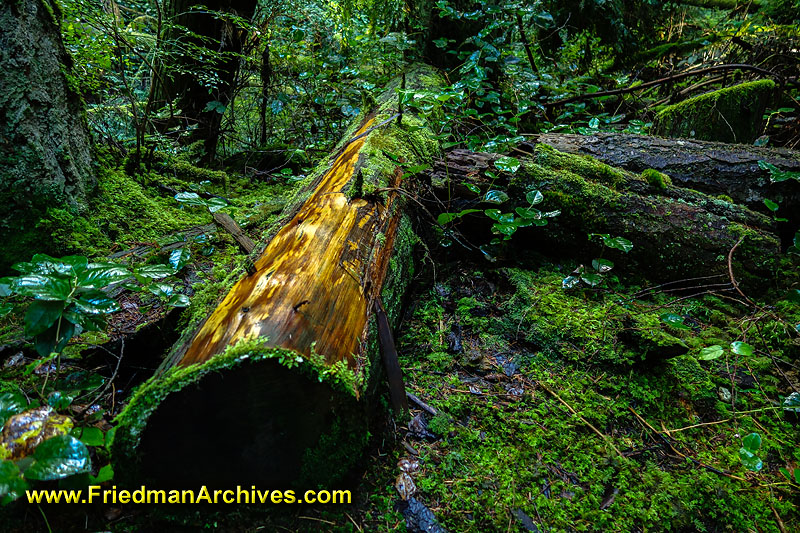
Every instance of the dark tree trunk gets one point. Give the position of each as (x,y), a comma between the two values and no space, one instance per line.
(191,79)
(677,233)
(45,146)
(713,168)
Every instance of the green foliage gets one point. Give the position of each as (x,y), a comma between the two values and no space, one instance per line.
(68,294)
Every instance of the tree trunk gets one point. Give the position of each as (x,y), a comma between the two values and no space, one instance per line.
(45,146)
(191,78)
(713,168)
(676,233)
(274,384)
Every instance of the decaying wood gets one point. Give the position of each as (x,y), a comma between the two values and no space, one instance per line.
(228,224)
(676,233)
(274,384)
(710,167)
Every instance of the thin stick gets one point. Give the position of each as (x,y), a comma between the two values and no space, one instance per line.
(660,81)
(425,407)
(574,412)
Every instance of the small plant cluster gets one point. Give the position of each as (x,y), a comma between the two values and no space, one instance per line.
(70,295)
(600,267)
(504,224)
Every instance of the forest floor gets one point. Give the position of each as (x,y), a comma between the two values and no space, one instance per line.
(585,409)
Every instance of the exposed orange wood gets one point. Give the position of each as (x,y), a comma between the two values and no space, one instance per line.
(314,282)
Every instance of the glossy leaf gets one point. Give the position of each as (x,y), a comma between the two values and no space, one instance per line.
(494,214)
(710,353)
(99,275)
(54,339)
(59,457)
(42,287)
(772,206)
(446,218)
(750,460)
(5,286)
(792,402)
(215,204)
(752,442)
(105,474)
(154,271)
(12,484)
(674,320)
(602,265)
(96,304)
(507,164)
(534,197)
(11,403)
(528,212)
(178,258)
(495,197)
(178,300)
(90,436)
(190,198)
(471,187)
(742,348)
(620,243)
(592,279)
(570,282)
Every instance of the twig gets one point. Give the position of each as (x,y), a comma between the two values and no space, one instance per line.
(602,435)
(671,447)
(730,271)
(425,407)
(110,380)
(667,79)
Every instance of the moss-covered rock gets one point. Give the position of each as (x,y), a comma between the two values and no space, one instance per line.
(733,114)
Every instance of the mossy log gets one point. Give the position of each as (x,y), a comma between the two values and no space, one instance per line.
(677,233)
(273,386)
(713,168)
(733,114)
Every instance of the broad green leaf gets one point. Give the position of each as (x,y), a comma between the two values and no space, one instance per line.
(446,218)
(162,290)
(772,206)
(90,436)
(741,348)
(215,204)
(190,198)
(105,474)
(777,175)
(178,258)
(750,460)
(494,214)
(12,485)
(592,279)
(5,286)
(59,457)
(620,243)
(59,401)
(792,402)
(87,322)
(752,442)
(11,403)
(528,212)
(471,187)
(674,320)
(42,287)
(507,164)
(506,218)
(96,304)
(504,229)
(495,197)
(710,353)
(534,197)
(154,271)
(41,315)
(178,300)
(54,339)
(602,265)
(99,275)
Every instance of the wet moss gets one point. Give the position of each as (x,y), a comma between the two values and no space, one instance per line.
(733,114)
(656,179)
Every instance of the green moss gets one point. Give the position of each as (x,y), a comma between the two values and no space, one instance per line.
(585,166)
(691,379)
(733,114)
(656,179)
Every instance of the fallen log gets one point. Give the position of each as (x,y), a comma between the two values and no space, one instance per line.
(710,167)
(677,233)
(273,386)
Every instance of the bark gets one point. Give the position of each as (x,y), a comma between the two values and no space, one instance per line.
(275,383)
(45,146)
(186,78)
(677,233)
(709,167)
